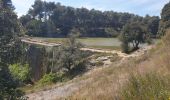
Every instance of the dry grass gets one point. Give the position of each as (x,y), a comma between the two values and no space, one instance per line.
(108,83)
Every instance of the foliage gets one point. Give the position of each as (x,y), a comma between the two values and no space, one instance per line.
(9,32)
(151,24)
(147,87)
(62,20)
(8,86)
(20,72)
(9,50)
(165,19)
(133,33)
(124,44)
(111,32)
(50,78)
(69,56)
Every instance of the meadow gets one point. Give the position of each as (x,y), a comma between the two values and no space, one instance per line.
(96,43)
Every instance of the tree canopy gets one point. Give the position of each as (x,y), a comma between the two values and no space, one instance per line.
(51,19)
(133,33)
(165,19)
(9,50)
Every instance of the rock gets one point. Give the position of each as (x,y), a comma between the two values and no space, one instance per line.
(102,59)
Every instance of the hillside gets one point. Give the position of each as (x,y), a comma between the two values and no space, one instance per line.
(110,81)
(58,52)
(142,78)
(97,80)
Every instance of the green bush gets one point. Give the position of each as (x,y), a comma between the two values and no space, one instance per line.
(50,79)
(147,87)
(20,72)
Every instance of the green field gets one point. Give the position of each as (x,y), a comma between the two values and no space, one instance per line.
(97,43)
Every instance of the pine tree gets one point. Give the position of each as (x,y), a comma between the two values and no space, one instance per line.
(9,50)
(9,31)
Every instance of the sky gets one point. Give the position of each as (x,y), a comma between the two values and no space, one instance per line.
(139,7)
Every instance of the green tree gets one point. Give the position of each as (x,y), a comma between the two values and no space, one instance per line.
(9,32)
(135,34)
(9,49)
(69,57)
(35,28)
(125,44)
(90,23)
(165,19)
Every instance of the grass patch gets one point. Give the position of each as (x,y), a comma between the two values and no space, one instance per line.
(147,87)
(106,47)
(99,63)
(99,43)
(115,58)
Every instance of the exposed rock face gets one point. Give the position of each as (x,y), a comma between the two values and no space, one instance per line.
(37,61)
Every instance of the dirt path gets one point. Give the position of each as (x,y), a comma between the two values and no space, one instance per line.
(119,53)
(139,52)
(57,91)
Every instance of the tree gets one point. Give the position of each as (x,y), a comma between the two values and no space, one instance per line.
(165,19)
(152,24)
(35,28)
(9,50)
(134,33)
(124,45)
(69,56)
(90,23)
(9,32)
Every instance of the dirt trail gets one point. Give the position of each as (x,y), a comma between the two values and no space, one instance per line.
(119,53)
(57,91)
(139,52)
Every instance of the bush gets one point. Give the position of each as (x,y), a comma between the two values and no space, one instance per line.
(50,79)
(8,86)
(124,44)
(147,87)
(20,72)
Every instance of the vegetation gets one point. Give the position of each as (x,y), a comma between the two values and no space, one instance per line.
(145,77)
(164,23)
(49,19)
(50,79)
(20,72)
(149,86)
(9,50)
(70,58)
(135,34)
(8,85)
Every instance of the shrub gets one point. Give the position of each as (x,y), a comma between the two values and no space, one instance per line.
(147,87)
(50,79)
(124,44)
(20,72)
(8,86)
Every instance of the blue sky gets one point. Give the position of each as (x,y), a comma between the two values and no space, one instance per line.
(140,7)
